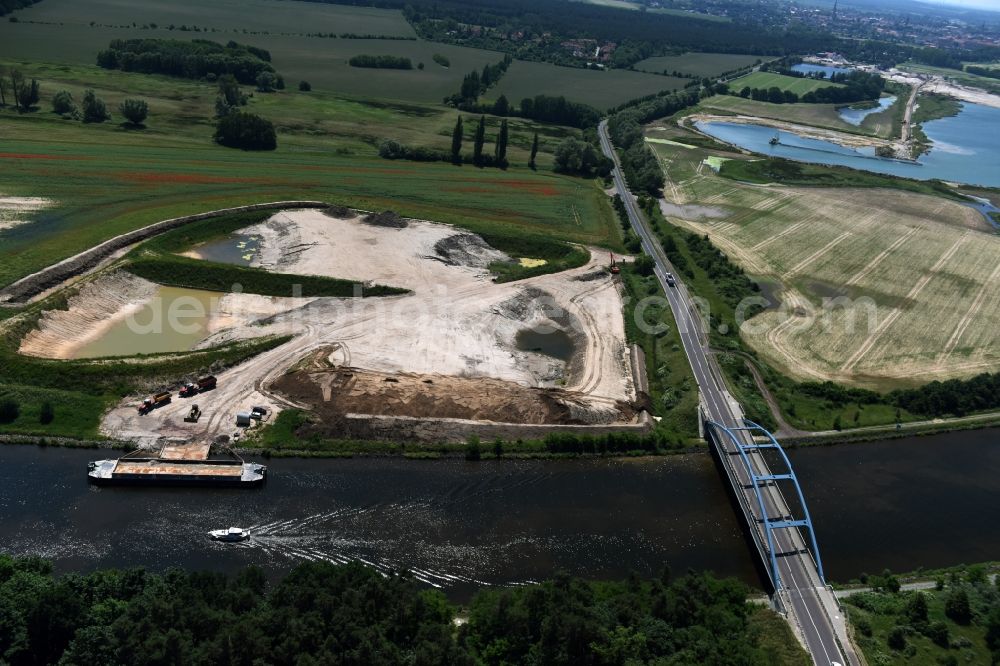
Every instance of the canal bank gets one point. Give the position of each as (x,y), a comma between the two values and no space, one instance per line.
(904,504)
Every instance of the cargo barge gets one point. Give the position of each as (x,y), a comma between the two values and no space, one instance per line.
(133,471)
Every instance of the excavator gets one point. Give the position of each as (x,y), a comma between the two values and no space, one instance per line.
(615,270)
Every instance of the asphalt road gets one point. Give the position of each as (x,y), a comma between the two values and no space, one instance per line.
(804,591)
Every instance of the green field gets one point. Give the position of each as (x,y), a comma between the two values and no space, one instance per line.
(598,88)
(767,80)
(699,64)
(106,180)
(252,16)
(817,115)
(60,32)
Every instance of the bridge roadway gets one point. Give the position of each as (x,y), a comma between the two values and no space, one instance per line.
(810,606)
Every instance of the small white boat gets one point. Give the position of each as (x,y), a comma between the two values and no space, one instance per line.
(232,534)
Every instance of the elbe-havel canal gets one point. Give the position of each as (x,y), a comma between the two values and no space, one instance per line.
(902,504)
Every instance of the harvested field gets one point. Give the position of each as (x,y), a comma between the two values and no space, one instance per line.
(457,328)
(879,288)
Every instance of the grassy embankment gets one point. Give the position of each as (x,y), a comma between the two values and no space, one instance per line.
(105,180)
(957,621)
(789,172)
(884,124)
(931,106)
(286,436)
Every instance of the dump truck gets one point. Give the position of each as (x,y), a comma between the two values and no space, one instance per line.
(200,386)
(153,402)
(193,415)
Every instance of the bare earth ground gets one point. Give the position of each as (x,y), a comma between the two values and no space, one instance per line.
(937,84)
(15,211)
(457,323)
(878,287)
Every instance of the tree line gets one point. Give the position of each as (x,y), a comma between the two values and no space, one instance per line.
(480,157)
(196,59)
(381,62)
(857,87)
(475,83)
(7,6)
(324,613)
(989,72)
(642,170)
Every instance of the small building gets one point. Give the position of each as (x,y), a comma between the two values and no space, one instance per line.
(243,420)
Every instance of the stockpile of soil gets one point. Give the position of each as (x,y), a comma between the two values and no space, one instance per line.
(467,250)
(335,392)
(387,218)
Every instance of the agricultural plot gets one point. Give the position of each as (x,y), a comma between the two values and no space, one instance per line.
(878,288)
(698,64)
(321,61)
(100,180)
(243,16)
(768,80)
(600,89)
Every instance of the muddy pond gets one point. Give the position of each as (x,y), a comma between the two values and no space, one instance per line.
(175,320)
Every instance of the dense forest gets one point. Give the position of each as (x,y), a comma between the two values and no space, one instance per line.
(321,613)
(196,59)
(7,6)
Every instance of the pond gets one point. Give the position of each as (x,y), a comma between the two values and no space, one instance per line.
(549,341)
(966,148)
(175,320)
(855,116)
(239,249)
(829,70)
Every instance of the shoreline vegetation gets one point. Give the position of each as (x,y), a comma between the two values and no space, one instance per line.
(324,612)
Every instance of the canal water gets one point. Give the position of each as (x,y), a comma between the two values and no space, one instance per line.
(965,149)
(175,320)
(928,501)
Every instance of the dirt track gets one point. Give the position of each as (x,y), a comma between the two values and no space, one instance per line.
(456,323)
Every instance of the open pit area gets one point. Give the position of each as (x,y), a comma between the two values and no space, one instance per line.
(459,346)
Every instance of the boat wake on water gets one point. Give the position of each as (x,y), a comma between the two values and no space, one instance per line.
(317,538)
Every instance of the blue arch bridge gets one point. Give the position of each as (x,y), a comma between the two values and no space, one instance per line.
(762,481)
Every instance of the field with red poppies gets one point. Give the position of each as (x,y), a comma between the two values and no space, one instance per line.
(104,179)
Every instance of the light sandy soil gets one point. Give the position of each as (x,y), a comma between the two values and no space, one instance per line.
(456,322)
(98,306)
(940,85)
(15,211)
